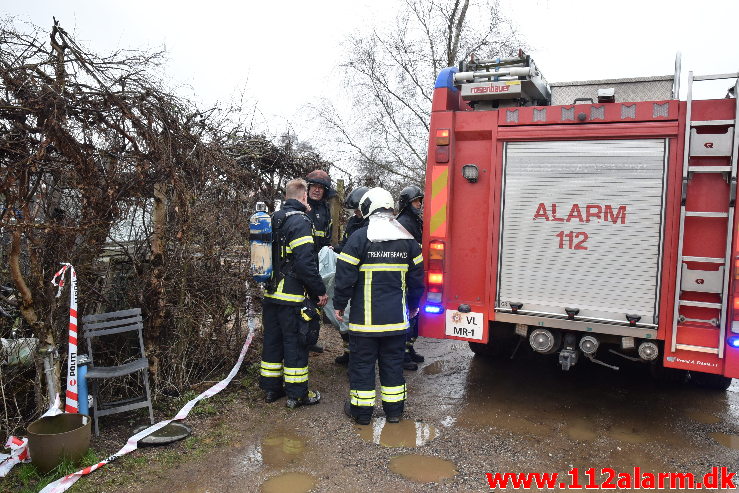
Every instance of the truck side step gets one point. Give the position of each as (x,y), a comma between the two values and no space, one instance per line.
(698,349)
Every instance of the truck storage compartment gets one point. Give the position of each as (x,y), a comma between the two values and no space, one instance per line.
(581,229)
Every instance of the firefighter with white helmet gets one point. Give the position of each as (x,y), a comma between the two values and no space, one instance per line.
(381,270)
(410,203)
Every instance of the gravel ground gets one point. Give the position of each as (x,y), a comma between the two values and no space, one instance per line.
(466,416)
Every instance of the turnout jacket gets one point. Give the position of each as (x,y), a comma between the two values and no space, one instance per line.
(383,279)
(354,223)
(295,265)
(412,222)
(320,215)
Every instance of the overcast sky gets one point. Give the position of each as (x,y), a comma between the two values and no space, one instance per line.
(284,54)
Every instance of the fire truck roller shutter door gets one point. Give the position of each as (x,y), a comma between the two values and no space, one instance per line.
(582,227)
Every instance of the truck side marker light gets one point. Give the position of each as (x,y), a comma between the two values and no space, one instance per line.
(470,173)
(571,312)
(733,341)
(633,319)
(515,306)
(442,137)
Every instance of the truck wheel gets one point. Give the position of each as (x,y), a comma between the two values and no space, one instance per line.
(710,380)
(502,342)
(484,350)
(668,375)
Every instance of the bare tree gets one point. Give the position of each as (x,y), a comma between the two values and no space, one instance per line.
(389,79)
(97,156)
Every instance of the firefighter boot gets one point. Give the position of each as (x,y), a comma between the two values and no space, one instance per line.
(344,358)
(273,395)
(418,358)
(312,397)
(408,363)
(315,348)
(360,420)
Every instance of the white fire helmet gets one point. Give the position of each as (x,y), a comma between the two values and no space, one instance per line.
(375,199)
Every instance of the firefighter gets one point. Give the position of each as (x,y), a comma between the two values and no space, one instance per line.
(410,205)
(319,191)
(354,223)
(381,270)
(295,277)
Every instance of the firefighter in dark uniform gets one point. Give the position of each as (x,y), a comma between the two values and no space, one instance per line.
(319,191)
(285,311)
(410,203)
(354,223)
(381,270)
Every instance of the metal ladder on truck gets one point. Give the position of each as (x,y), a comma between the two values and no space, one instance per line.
(700,289)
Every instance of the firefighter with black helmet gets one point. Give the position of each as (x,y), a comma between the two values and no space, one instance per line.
(410,203)
(319,191)
(381,270)
(287,307)
(354,223)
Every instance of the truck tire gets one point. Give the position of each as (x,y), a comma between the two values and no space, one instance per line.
(483,350)
(668,375)
(710,380)
(501,343)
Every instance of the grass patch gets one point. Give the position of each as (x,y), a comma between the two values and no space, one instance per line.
(25,478)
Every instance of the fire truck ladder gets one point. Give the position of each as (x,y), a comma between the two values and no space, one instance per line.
(716,282)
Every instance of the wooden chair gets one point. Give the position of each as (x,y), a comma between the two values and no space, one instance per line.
(107,324)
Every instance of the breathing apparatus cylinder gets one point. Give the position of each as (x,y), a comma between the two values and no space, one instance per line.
(260,239)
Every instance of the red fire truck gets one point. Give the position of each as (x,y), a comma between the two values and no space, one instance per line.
(584,215)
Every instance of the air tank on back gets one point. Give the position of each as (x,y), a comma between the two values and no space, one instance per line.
(260,239)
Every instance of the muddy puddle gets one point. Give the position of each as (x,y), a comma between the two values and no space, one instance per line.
(703,417)
(582,430)
(434,368)
(291,482)
(422,468)
(278,449)
(727,440)
(505,417)
(626,458)
(407,433)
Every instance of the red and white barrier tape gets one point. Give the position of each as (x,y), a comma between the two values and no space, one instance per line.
(71,405)
(66,482)
(19,445)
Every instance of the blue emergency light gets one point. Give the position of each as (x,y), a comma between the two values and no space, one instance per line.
(433,309)
(733,341)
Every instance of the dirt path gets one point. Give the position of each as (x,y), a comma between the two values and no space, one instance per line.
(466,416)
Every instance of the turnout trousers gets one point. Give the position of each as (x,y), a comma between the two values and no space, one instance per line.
(363,352)
(283,356)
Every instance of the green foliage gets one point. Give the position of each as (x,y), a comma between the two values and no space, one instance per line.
(25,478)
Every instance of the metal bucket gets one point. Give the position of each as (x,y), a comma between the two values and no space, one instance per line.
(54,439)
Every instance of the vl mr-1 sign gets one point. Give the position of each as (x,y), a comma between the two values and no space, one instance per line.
(467,325)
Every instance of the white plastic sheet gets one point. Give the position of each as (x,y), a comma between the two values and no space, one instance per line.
(327,270)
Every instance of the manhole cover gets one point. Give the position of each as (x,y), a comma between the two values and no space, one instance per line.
(163,436)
